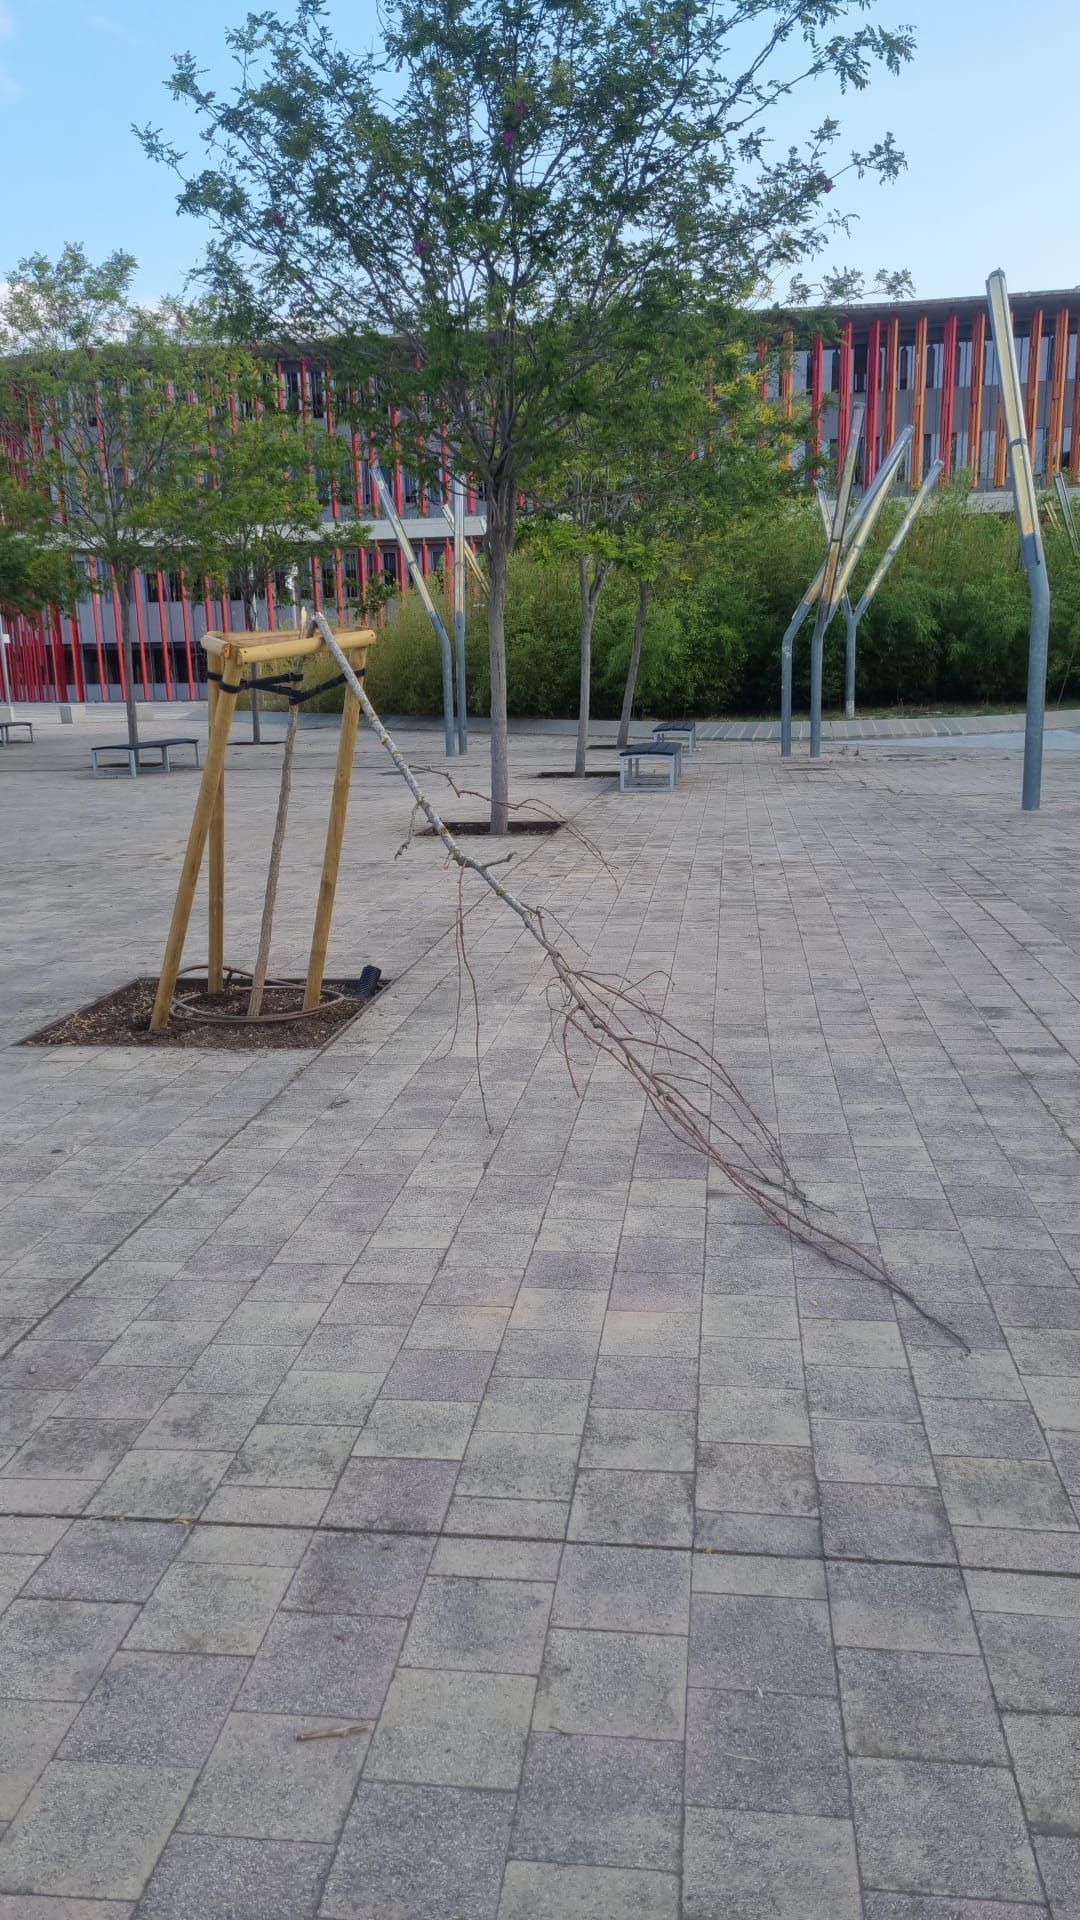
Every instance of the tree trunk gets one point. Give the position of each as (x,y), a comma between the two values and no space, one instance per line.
(500,536)
(635,662)
(124,597)
(589,593)
(251,616)
(587,613)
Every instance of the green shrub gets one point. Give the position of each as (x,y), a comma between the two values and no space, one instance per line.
(948,625)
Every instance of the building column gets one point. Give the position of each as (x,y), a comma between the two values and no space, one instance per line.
(873,368)
(975,400)
(817,354)
(1055,425)
(892,374)
(948,395)
(1031,397)
(787,352)
(843,406)
(918,402)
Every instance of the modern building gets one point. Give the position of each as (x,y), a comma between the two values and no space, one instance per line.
(930,365)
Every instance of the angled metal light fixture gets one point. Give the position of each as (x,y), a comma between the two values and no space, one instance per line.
(1026,504)
(871,503)
(853,615)
(830,593)
(1071,533)
(417,577)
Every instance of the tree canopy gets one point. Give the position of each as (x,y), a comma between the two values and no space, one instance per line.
(511,193)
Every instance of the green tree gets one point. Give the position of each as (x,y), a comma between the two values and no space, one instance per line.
(96,387)
(265,477)
(486,205)
(34,572)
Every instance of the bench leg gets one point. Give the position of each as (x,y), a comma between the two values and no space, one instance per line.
(166,763)
(133,763)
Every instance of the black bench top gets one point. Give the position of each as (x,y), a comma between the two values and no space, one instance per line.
(648,746)
(124,746)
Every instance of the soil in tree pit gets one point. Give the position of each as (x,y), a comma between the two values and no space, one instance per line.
(122,1019)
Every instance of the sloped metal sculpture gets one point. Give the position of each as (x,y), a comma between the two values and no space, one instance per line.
(1027,521)
(853,615)
(863,519)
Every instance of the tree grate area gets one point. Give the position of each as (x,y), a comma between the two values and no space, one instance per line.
(122,1018)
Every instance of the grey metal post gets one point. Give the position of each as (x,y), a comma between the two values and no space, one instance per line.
(1064,502)
(866,512)
(828,596)
(849,618)
(1031,547)
(459,613)
(421,585)
(851,629)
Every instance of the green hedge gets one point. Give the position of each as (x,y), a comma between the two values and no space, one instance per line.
(949,626)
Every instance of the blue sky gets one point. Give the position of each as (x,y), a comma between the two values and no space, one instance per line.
(989,182)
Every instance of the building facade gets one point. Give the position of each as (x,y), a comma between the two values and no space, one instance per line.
(930,366)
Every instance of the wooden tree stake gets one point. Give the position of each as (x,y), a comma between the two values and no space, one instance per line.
(262,960)
(215,967)
(335,833)
(213,770)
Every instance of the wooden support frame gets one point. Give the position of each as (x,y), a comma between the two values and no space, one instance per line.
(229,654)
(335,834)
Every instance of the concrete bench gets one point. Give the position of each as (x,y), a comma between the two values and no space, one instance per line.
(131,754)
(682,730)
(666,758)
(7,727)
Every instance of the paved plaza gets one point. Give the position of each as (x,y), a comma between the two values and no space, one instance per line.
(412,1515)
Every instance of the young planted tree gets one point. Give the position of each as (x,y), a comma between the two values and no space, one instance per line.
(673,439)
(265,477)
(486,205)
(94,387)
(35,574)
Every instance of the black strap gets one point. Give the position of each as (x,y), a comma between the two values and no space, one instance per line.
(289,684)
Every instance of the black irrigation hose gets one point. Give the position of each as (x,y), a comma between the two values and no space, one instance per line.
(186,1009)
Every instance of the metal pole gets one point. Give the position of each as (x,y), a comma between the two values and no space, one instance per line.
(471,560)
(870,505)
(827,597)
(851,629)
(5,642)
(852,618)
(1071,534)
(1027,521)
(849,618)
(459,613)
(421,585)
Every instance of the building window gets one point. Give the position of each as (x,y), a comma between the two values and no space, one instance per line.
(905,360)
(963,363)
(1023,355)
(960,449)
(859,363)
(935,364)
(1046,348)
(990,365)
